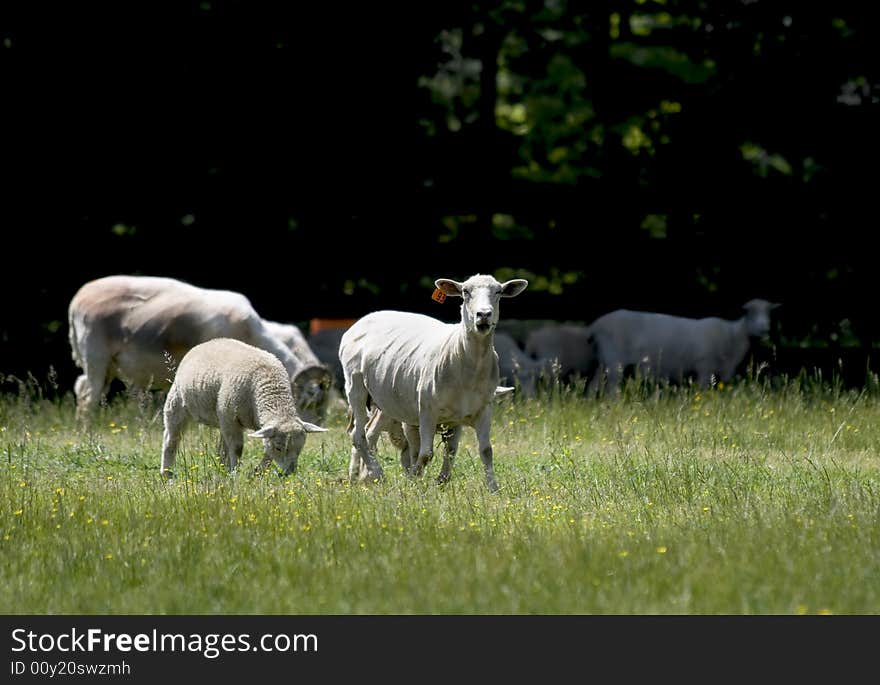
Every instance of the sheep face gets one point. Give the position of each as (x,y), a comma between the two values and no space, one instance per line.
(284,442)
(758,318)
(481,295)
(310,388)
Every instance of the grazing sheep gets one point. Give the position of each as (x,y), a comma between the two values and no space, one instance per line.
(570,348)
(230,385)
(316,394)
(674,347)
(294,339)
(325,344)
(518,368)
(422,372)
(137,328)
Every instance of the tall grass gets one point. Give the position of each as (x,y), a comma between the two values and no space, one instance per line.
(745,499)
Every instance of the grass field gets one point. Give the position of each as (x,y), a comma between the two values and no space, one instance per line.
(736,500)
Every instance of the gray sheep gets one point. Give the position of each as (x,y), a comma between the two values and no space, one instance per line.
(569,347)
(672,347)
(517,368)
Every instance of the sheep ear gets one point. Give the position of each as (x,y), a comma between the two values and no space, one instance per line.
(264,432)
(513,287)
(502,390)
(775,305)
(448,287)
(312,428)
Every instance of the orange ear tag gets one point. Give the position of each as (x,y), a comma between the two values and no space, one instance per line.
(438,295)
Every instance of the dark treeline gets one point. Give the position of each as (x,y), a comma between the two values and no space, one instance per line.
(676,156)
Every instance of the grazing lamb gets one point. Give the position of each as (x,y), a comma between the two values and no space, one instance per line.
(230,385)
(568,347)
(422,372)
(135,327)
(673,347)
(518,368)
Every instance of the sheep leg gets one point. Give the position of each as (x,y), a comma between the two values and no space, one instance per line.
(483,427)
(398,439)
(597,384)
(376,425)
(613,373)
(233,443)
(362,464)
(427,428)
(175,419)
(409,452)
(89,389)
(451,438)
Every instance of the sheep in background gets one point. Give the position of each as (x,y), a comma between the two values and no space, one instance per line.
(422,372)
(230,385)
(672,347)
(570,348)
(295,341)
(317,394)
(325,344)
(517,368)
(137,329)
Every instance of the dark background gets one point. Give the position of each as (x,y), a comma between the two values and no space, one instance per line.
(328,160)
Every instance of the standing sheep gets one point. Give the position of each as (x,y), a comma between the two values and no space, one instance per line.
(405,438)
(137,328)
(230,385)
(422,372)
(673,347)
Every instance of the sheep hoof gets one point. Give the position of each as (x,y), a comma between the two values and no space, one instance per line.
(372,476)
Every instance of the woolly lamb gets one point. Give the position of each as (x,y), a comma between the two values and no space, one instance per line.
(231,385)
(422,372)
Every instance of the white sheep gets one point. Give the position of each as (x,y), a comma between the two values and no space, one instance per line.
(405,438)
(422,372)
(672,347)
(233,386)
(137,328)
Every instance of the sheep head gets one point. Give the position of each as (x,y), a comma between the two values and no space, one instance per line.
(481,295)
